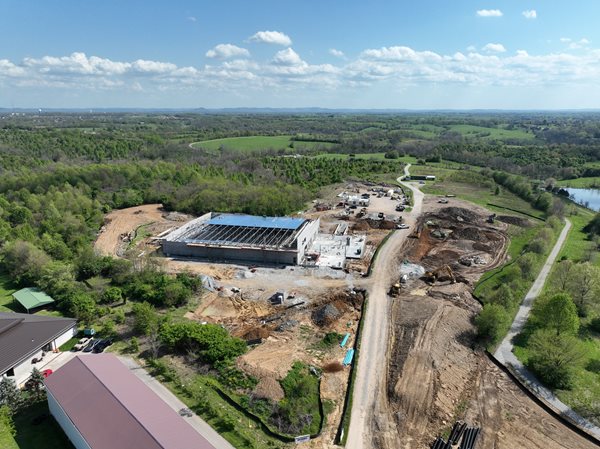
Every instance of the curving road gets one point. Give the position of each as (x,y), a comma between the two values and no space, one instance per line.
(504,354)
(375,334)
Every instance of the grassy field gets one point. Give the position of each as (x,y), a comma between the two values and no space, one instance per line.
(577,245)
(259,143)
(6,290)
(581,183)
(491,133)
(470,186)
(47,434)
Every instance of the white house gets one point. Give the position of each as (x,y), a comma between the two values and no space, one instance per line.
(24,338)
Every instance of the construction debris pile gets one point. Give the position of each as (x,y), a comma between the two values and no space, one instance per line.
(459,431)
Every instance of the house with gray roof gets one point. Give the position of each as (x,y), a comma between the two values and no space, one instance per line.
(25,338)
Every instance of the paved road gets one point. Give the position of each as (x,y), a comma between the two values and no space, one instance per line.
(375,334)
(504,352)
(173,401)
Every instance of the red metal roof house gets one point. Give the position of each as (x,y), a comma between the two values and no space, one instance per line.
(101,404)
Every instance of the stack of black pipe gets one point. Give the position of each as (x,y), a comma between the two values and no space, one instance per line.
(459,430)
(469,438)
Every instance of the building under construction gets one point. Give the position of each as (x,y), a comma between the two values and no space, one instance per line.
(243,238)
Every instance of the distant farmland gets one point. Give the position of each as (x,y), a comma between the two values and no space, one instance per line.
(260,143)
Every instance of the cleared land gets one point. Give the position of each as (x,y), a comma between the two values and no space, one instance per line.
(259,143)
(120,227)
(433,341)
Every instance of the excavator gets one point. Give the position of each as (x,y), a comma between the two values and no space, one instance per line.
(443,273)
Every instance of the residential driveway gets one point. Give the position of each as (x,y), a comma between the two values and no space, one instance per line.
(173,401)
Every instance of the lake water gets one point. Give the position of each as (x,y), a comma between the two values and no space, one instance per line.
(583,196)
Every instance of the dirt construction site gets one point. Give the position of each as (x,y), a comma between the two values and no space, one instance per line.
(435,373)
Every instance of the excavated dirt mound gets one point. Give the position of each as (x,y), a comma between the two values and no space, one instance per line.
(269,388)
(459,214)
(472,233)
(361,226)
(440,258)
(517,221)
(256,333)
(326,315)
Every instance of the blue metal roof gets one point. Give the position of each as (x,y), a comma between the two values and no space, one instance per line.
(252,221)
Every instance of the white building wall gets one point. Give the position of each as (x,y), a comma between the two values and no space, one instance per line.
(61,340)
(306,237)
(66,424)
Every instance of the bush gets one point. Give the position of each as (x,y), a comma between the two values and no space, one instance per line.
(555,359)
(492,323)
(211,342)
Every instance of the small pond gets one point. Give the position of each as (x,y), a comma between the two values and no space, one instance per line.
(587,197)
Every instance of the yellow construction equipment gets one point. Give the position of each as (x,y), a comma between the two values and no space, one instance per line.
(440,274)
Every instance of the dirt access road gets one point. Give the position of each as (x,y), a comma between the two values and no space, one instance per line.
(374,340)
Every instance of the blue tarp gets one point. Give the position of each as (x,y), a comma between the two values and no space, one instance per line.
(256,222)
(349,356)
(345,340)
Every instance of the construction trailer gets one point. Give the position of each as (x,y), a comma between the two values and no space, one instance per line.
(242,238)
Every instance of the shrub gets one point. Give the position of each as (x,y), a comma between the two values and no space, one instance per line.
(492,322)
(554,358)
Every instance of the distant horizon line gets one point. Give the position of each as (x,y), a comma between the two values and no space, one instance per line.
(91,110)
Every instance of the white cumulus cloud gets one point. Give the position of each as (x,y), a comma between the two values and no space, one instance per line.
(530,14)
(271,37)
(494,48)
(489,13)
(336,53)
(287,57)
(226,51)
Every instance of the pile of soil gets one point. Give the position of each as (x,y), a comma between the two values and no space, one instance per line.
(361,225)
(470,233)
(459,214)
(326,315)
(517,221)
(441,258)
(380,224)
(333,367)
(269,388)
(256,333)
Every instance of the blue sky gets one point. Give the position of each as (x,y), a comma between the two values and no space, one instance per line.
(459,54)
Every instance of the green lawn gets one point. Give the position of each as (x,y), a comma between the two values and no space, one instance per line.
(69,344)
(581,183)
(6,291)
(577,244)
(47,434)
(259,143)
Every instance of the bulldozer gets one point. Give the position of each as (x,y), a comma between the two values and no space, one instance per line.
(440,274)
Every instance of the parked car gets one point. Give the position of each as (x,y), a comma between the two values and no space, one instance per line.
(91,345)
(402,226)
(81,344)
(102,345)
